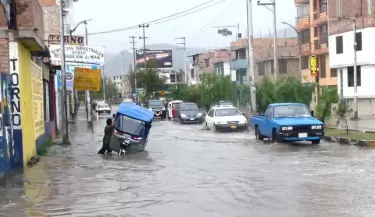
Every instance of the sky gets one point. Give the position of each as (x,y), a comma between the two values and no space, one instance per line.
(198,28)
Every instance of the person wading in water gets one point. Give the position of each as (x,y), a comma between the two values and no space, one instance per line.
(108,131)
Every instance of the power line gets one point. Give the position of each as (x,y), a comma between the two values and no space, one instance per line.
(160,20)
(192,12)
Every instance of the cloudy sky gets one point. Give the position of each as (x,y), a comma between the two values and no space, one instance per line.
(196,27)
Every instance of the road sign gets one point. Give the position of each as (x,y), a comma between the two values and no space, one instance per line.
(87,79)
(224,32)
(140,91)
(313,65)
(162,93)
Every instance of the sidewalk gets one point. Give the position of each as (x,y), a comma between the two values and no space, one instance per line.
(365,123)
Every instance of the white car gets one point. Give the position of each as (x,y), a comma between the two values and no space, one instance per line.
(226,118)
(103,108)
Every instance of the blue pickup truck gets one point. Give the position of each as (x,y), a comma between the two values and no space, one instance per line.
(287,122)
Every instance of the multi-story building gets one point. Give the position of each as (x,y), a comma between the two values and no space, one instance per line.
(263,51)
(119,82)
(312,26)
(288,66)
(343,16)
(204,63)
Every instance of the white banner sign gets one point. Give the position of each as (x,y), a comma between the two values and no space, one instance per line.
(78,54)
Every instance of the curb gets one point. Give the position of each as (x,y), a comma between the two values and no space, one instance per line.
(352,130)
(347,141)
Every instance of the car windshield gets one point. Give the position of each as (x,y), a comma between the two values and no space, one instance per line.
(103,106)
(129,125)
(227,112)
(155,103)
(188,107)
(291,111)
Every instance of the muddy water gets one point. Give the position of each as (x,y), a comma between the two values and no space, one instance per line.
(188,171)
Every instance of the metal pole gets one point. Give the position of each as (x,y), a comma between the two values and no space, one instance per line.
(355,70)
(104,83)
(87,93)
(275,60)
(134,67)
(64,106)
(186,70)
(250,55)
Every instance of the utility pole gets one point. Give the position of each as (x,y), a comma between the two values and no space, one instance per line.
(134,67)
(185,67)
(355,115)
(64,108)
(104,83)
(275,58)
(144,43)
(250,55)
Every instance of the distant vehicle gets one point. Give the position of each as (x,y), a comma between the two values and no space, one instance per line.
(223,103)
(158,107)
(288,122)
(226,118)
(132,124)
(128,101)
(170,106)
(103,108)
(188,112)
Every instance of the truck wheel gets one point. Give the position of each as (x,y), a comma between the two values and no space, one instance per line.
(315,142)
(258,136)
(274,136)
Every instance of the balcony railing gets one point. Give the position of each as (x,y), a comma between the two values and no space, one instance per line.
(301,2)
(319,17)
(303,22)
(305,49)
(321,45)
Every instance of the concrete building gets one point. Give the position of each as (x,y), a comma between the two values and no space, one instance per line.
(312,24)
(288,66)
(263,51)
(204,63)
(341,50)
(119,82)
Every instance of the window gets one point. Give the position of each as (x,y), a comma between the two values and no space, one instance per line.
(323,6)
(351,76)
(323,30)
(261,68)
(227,112)
(305,62)
(283,66)
(291,111)
(333,73)
(316,31)
(339,45)
(304,36)
(322,67)
(269,112)
(358,40)
(192,73)
(46,101)
(339,8)
(207,62)
(129,125)
(303,10)
(211,113)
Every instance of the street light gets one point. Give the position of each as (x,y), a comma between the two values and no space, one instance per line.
(273,10)
(299,45)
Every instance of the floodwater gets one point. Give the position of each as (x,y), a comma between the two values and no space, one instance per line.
(188,171)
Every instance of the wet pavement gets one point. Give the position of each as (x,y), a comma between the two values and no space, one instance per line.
(188,171)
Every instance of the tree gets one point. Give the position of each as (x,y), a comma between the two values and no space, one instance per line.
(342,111)
(110,90)
(327,96)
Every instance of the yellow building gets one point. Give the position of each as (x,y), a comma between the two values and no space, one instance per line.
(312,25)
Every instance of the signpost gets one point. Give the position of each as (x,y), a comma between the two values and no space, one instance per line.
(313,66)
(87,79)
(78,54)
(162,93)
(68,39)
(140,91)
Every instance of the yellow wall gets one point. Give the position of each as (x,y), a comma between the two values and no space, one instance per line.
(27,106)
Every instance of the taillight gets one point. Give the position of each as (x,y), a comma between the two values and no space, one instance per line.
(137,138)
(116,132)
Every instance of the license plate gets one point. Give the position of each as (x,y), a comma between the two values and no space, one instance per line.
(302,135)
(233,127)
(192,119)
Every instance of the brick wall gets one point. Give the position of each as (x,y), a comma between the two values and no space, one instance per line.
(48,2)
(51,20)
(353,9)
(4,56)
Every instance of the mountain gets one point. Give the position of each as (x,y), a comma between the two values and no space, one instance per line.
(113,62)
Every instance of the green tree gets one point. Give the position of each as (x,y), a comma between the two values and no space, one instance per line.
(326,98)
(110,90)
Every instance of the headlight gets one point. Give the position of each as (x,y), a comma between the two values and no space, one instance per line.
(199,114)
(242,122)
(316,127)
(220,122)
(183,116)
(287,128)
(163,109)
(150,109)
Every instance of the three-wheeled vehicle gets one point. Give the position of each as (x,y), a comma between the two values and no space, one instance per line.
(132,124)
(170,107)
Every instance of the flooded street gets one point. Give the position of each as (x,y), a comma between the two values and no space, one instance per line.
(188,171)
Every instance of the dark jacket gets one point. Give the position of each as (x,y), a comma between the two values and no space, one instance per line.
(108,130)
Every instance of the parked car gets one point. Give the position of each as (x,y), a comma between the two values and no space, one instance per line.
(103,108)
(188,112)
(158,107)
(288,122)
(225,118)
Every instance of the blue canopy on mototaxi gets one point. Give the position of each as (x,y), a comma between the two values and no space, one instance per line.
(132,124)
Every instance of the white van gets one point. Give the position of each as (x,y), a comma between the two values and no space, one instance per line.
(170,106)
